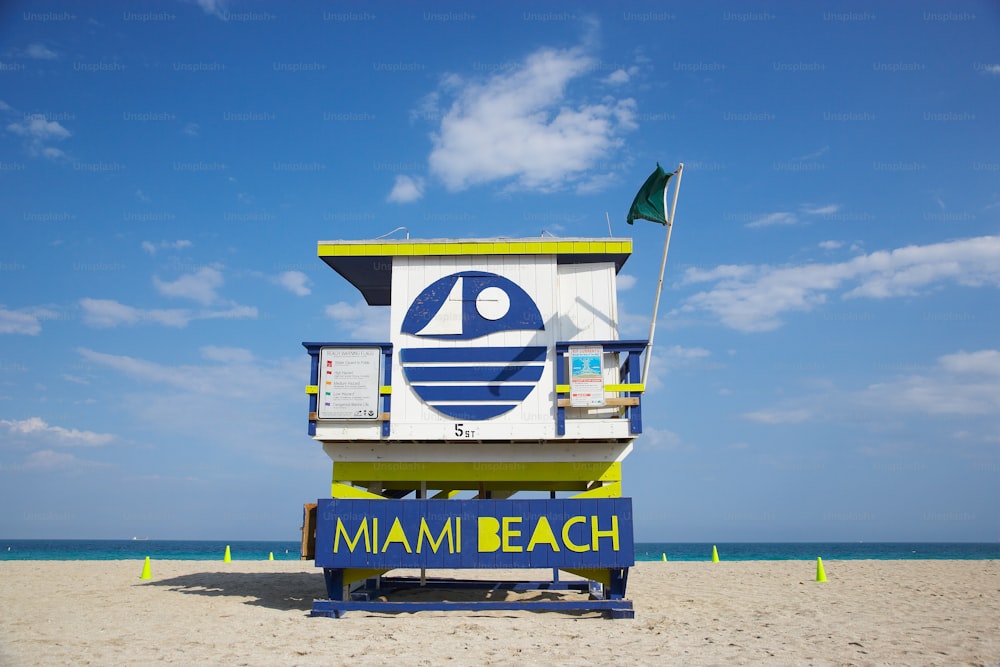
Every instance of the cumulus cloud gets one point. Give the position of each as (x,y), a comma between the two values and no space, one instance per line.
(361,321)
(152,248)
(39,51)
(37,132)
(753,297)
(108,313)
(26,321)
(295,282)
(406,189)
(520,127)
(199,286)
(625,282)
(39,430)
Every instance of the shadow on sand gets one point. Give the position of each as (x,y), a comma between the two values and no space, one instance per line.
(285,591)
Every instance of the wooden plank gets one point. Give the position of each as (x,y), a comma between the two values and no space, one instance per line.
(308,549)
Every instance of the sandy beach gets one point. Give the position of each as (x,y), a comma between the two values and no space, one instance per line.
(256,613)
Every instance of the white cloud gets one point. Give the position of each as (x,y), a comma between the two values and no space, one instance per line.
(363,322)
(37,131)
(215,8)
(39,430)
(620,76)
(39,51)
(26,321)
(107,313)
(153,248)
(778,416)
(37,127)
(406,189)
(752,297)
(829,209)
(831,245)
(199,286)
(518,126)
(295,282)
(228,355)
(770,219)
(626,282)
(992,69)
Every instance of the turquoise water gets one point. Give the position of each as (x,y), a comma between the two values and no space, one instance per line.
(644,551)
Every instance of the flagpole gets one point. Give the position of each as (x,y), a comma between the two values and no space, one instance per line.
(663,267)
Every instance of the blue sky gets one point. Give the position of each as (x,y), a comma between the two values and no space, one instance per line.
(827,362)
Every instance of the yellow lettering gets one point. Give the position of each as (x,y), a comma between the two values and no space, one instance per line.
(458,534)
(579,548)
(509,533)
(542,534)
(489,539)
(351,544)
(425,531)
(395,535)
(596,534)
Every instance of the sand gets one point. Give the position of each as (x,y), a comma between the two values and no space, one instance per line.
(728,613)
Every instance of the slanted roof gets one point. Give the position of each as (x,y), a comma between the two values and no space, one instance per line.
(368,264)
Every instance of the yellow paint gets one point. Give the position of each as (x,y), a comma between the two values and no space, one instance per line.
(384,390)
(543,535)
(446,531)
(475,248)
(612,490)
(439,471)
(572,521)
(312,389)
(396,535)
(608,388)
(489,534)
(602,576)
(596,533)
(339,490)
(509,532)
(352,574)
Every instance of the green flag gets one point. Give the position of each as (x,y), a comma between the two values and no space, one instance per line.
(648,203)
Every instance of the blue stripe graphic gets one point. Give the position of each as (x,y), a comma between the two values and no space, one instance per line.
(474,373)
(472,354)
(508,392)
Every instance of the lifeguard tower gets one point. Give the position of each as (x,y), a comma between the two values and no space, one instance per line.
(488,432)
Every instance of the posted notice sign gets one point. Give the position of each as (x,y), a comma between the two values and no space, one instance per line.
(348,383)
(586,376)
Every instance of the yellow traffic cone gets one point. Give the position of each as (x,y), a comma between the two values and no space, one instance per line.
(270,556)
(664,558)
(820,572)
(145,570)
(228,557)
(715,554)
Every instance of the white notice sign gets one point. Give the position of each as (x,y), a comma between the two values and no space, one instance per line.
(348,383)
(586,376)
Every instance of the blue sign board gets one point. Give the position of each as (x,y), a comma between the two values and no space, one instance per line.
(544,533)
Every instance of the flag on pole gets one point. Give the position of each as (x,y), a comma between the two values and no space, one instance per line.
(650,202)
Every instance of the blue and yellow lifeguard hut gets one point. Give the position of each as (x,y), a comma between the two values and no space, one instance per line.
(489,431)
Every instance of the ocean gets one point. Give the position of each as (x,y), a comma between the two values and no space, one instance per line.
(644,551)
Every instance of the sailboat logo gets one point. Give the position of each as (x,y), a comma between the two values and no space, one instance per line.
(468,382)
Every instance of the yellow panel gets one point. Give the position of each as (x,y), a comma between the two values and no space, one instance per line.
(312,389)
(625,387)
(533,248)
(613,490)
(581,247)
(438,248)
(387,249)
(562,388)
(598,575)
(501,248)
(564,247)
(384,390)
(352,574)
(421,249)
(517,248)
(598,247)
(503,471)
(626,247)
(404,249)
(338,490)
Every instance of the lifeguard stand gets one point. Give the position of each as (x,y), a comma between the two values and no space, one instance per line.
(503,375)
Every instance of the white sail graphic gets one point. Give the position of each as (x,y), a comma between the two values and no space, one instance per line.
(448,319)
